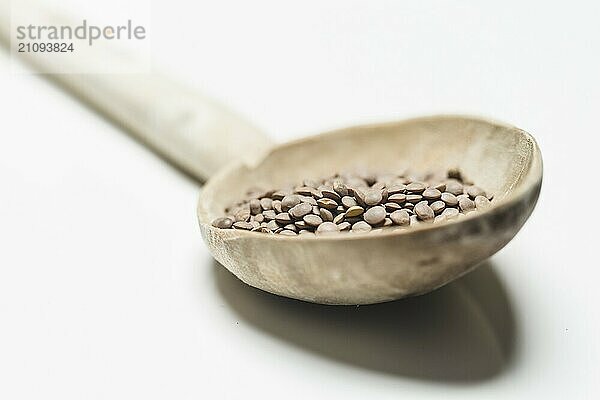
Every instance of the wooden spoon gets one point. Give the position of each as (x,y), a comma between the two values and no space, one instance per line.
(203,138)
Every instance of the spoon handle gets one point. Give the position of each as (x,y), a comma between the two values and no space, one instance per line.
(193,132)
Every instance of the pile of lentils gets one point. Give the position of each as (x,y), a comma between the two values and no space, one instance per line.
(356,203)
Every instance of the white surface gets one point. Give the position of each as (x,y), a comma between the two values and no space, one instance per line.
(106,290)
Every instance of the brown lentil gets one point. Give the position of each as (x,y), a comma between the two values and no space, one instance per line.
(356,202)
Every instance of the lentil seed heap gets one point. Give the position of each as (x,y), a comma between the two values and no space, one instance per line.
(356,203)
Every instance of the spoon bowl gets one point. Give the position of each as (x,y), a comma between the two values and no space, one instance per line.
(351,268)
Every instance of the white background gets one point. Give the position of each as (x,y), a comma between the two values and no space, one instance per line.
(107,291)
